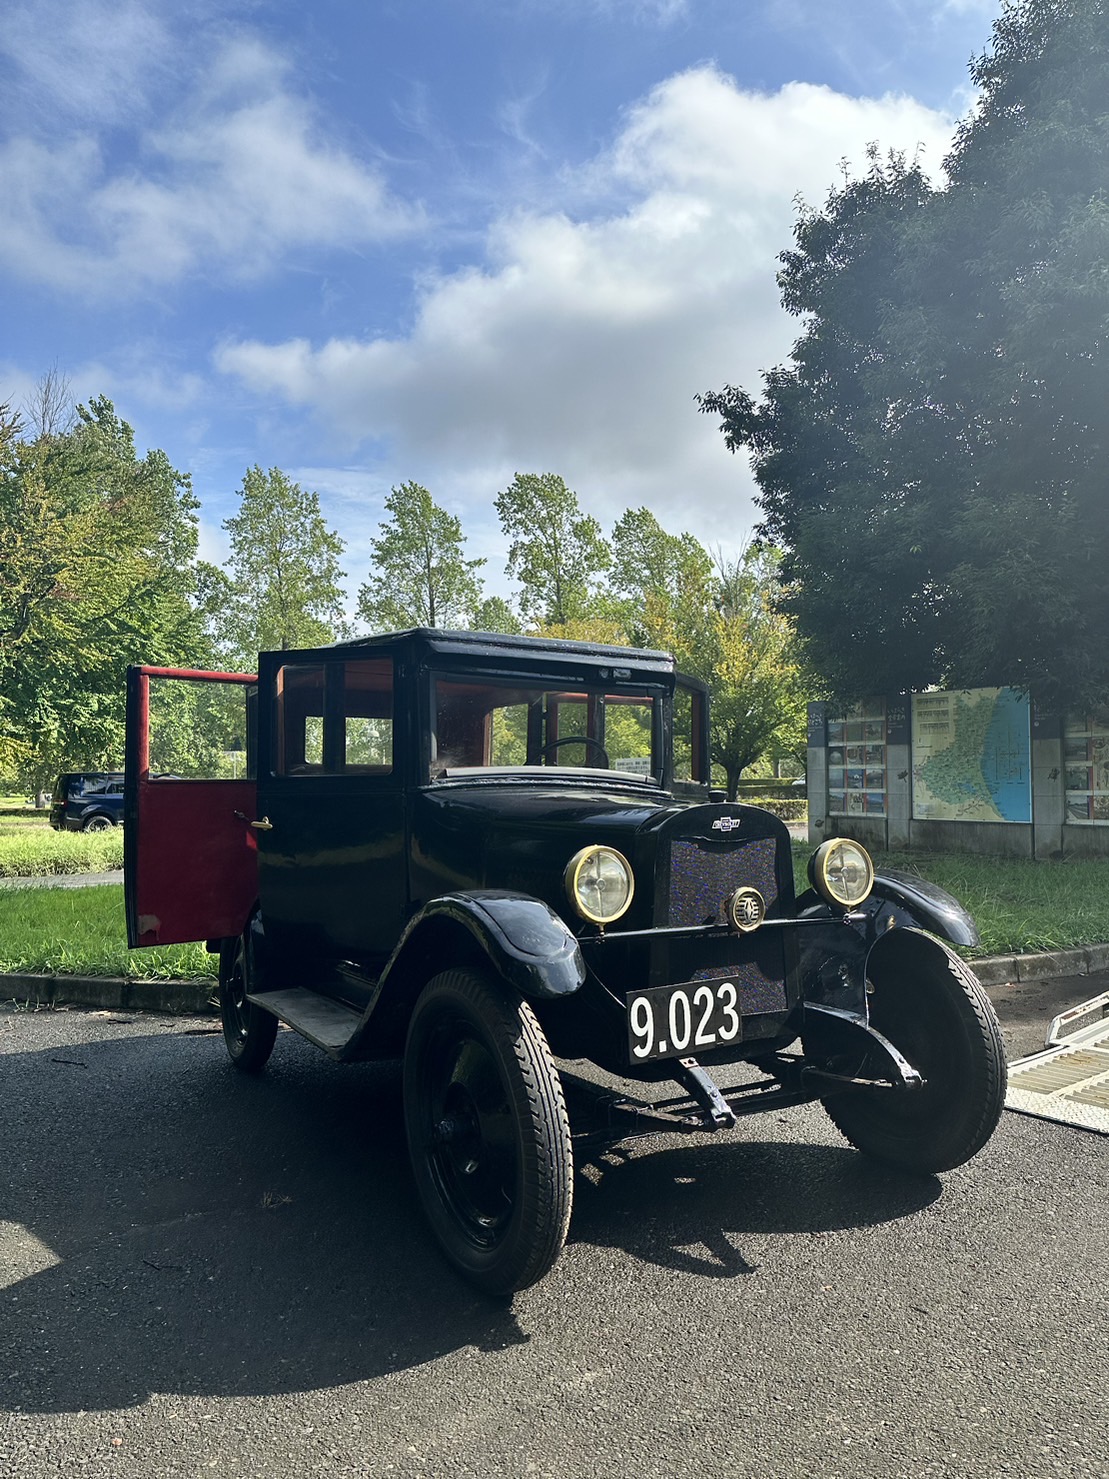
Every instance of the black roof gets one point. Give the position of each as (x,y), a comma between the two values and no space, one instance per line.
(501,645)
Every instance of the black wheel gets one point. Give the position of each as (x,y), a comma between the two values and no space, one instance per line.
(933,1009)
(97,823)
(577,739)
(248,1030)
(487,1131)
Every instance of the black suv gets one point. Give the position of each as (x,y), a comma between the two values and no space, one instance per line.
(87,801)
(491,856)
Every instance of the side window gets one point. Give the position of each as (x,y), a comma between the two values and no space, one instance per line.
(199,730)
(300,709)
(367,716)
(335,718)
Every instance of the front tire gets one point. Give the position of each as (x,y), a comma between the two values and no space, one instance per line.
(931,1007)
(249,1031)
(488,1133)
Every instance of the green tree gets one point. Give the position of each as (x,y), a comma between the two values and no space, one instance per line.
(557,553)
(97,546)
(663,587)
(420,577)
(760,690)
(720,620)
(933,459)
(496,615)
(285,572)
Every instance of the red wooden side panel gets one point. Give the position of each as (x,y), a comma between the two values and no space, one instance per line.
(196,875)
(191,857)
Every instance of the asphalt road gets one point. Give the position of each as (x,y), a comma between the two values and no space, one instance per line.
(201,1273)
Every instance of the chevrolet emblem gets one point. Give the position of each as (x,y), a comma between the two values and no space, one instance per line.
(727,824)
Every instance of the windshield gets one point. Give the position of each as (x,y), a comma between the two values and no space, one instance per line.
(489,724)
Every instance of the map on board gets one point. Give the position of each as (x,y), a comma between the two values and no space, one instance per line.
(972,756)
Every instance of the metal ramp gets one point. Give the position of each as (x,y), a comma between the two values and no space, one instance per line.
(1069,1080)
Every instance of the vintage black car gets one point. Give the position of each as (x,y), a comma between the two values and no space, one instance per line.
(490,856)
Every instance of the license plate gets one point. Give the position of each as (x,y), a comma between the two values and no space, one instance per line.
(683,1020)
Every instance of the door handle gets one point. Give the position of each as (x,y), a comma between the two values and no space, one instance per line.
(265,825)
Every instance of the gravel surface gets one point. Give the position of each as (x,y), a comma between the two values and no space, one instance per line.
(205,1273)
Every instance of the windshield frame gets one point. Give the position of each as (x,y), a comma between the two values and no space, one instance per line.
(593,689)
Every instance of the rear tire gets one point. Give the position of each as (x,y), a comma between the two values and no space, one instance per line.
(932,1008)
(97,823)
(488,1134)
(248,1029)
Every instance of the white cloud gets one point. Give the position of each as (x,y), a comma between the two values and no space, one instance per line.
(579,344)
(239,172)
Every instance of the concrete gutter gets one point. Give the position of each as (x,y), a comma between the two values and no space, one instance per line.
(187,998)
(116,993)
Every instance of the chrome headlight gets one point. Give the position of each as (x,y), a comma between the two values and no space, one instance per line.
(841,872)
(599,883)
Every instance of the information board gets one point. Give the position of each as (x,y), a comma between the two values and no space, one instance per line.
(972,756)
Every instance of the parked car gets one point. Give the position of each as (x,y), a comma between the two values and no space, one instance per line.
(491,856)
(87,801)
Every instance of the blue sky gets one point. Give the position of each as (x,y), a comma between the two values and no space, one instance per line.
(440,240)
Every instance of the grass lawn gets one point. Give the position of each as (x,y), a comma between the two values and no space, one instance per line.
(29,846)
(1019,907)
(81,931)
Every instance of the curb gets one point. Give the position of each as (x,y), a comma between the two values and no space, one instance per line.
(197,998)
(116,993)
(996,970)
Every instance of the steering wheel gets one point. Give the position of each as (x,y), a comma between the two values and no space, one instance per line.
(577,739)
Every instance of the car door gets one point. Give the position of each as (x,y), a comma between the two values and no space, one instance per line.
(333,878)
(190,859)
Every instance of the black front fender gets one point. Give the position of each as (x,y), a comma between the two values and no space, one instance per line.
(902,899)
(523,938)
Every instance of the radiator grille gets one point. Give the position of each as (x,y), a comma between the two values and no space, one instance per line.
(703,874)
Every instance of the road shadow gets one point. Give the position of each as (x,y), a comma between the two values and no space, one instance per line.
(691,1208)
(216,1234)
(169,1225)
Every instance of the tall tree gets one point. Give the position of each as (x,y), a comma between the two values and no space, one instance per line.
(663,586)
(557,552)
(97,546)
(933,459)
(420,576)
(719,619)
(760,690)
(285,569)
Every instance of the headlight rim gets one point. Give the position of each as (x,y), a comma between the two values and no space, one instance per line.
(572,872)
(819,866)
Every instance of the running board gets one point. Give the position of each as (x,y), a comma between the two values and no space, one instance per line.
(328,1023)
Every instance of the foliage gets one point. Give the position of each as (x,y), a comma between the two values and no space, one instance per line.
(285,576)
(494,614)
(720,621)
(97,546)
(557,553)
(663,588)
(420,578)
(31,852)
(933,459)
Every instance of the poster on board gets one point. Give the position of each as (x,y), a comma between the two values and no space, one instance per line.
(972,756)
